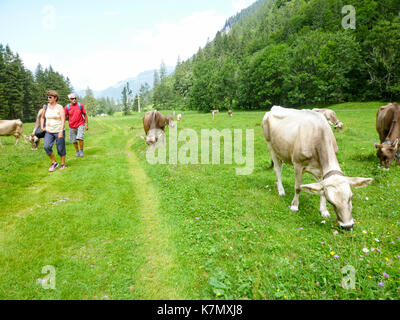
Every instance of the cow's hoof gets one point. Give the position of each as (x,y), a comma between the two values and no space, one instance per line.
(282,193)
(325,214)
(294,208)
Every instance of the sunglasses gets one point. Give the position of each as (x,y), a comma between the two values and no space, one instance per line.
(72,98)
(48,97)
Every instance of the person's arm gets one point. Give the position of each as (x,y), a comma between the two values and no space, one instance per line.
(62,114)
(85,117)
(42,119)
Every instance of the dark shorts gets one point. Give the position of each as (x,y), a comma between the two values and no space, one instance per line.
(49,140)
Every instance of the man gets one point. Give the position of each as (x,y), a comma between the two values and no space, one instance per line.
(78,122)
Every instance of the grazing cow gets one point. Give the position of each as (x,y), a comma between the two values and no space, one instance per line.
(179,117)
(34,140)
(154,123)
(12,128)
(230,113)
(332,118)
(388,127)
(304,138)
(213,112)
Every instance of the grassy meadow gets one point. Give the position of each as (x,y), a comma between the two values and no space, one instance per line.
(114,226)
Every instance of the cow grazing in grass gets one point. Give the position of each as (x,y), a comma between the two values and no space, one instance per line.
(304,138)
(179,117)
(213,112)
(154,123)
(12,128)
(230,113)
(388,127)
(332,118)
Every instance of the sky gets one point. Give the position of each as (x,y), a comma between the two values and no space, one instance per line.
(97,43)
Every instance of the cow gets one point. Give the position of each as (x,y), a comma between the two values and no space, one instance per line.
(179,117)
(230,113)
(304,139)
(213,112)
(388,127)
(33,139)
(332,118)
(154,123)
(12,128)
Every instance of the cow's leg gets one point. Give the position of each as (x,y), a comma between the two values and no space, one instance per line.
(298,174)
(278,170)
(322,207)
(16,139)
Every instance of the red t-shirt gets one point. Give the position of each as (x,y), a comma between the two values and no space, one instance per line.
(75,115)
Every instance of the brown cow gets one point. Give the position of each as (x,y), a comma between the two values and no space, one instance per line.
(154,123)
(332,118)
(303,138)
(230,113)
(388,127)
(213,112)
(12,128)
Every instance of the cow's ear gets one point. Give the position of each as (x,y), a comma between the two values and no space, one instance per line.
(312,187)
(378,146)
(143,137)
(357,182)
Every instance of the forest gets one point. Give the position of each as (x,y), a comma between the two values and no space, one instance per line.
(291,53)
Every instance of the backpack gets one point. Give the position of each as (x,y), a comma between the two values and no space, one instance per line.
(80,107)
(38,132)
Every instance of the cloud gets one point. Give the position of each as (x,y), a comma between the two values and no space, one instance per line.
(31,60)
(144,50)
(239,5)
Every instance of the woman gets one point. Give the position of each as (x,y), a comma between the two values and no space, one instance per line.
(55,123)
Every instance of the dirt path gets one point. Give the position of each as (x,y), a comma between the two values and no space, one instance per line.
(158,276)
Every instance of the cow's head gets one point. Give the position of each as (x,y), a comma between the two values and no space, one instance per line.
(387,152)
(34,141)
(339,126)
(337,191)
(169,120)
(153,136)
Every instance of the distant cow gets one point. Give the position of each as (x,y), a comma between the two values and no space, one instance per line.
(154,123)
(330,115)
(34,140)
(179,117)
(12,128)
(230,113)
(213,112)
(304,138)
(388,127)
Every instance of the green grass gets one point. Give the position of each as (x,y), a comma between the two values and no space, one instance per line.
(116,227)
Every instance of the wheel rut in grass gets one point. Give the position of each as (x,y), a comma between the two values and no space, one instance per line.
(158,275)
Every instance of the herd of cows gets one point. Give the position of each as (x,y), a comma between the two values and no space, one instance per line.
(302,138)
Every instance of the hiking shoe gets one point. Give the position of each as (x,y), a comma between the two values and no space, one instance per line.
(63,167)
(78,154)
(81,153)
(53,167)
